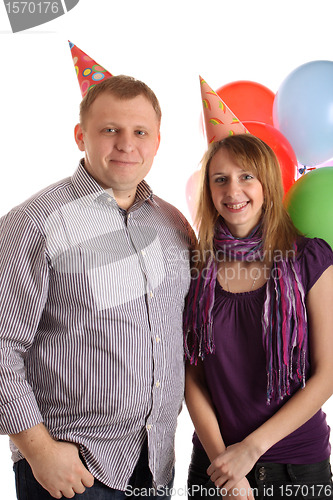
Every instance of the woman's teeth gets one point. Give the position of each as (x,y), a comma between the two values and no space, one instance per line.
(236,207)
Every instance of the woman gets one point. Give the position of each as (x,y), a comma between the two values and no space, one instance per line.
(258,335)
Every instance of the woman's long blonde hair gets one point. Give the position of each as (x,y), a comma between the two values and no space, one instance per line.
(253,155)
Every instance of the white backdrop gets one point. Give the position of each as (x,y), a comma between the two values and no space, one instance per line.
(167,45)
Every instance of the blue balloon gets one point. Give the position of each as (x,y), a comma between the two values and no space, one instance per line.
(303,111)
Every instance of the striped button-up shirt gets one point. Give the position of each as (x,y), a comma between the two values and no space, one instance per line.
(91,304)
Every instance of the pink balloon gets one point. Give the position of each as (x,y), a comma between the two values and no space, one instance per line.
(191,191)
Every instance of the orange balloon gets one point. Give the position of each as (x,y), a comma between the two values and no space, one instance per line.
(248,100)
(281,147)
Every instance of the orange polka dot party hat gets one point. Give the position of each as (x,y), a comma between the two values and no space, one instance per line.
(88,72)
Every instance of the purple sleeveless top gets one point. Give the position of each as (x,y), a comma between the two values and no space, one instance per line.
(236,373)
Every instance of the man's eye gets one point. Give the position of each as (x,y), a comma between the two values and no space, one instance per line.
(141,132)
(110,130)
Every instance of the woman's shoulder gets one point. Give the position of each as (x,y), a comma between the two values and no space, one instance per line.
(314,256)
(314,248)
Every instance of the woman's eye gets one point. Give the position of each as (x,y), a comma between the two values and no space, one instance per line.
(220,179)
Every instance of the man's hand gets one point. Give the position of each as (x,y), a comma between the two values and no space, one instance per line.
(61,472)
(55,464)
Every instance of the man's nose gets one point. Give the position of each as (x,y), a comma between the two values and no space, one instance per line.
(125,142)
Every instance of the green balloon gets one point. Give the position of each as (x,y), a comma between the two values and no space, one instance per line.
(310,204)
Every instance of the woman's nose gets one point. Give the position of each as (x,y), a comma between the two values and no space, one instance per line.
(233,187)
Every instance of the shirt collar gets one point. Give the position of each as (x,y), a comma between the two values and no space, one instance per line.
(143,193)
(87,189)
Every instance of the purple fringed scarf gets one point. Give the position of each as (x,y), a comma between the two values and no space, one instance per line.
(284,321)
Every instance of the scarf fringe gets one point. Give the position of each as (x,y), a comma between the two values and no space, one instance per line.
(198,324)
(285,335)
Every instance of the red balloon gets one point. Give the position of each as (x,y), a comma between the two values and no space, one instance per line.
(248,100)
(281,147)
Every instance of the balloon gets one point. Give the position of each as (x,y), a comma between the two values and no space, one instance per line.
(248,100)
(310,204)
(303,111)
(191,191)
(303,169)
(328,163)
(280,146)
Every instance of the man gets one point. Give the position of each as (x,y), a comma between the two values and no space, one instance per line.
(94,272)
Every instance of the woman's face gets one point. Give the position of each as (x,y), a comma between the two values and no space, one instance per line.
(236,193)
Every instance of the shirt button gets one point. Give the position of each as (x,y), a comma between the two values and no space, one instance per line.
(158,383)
(151,295)
(109,200)
(143,252)
(158,339)
(149,426)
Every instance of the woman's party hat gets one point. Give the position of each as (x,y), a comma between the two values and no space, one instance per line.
(220,122)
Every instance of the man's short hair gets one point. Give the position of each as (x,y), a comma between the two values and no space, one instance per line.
(121,87)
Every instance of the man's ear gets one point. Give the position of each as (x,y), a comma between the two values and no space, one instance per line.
(79,138)
(158,142)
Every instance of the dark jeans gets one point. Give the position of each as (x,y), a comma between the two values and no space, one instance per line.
(267,480)
(28,488)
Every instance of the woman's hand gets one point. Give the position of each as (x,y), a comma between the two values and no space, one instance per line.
(231,466)
(241,491)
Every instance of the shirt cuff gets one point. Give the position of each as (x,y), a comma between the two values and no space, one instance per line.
(20,415)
